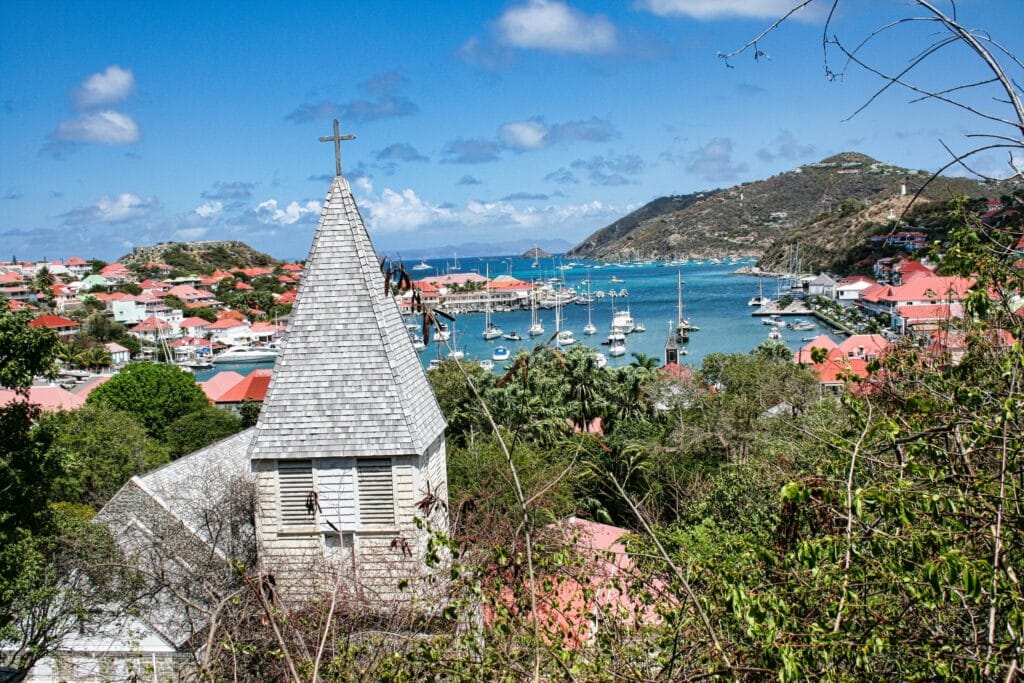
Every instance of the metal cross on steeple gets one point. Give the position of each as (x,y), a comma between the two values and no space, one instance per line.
(336,139)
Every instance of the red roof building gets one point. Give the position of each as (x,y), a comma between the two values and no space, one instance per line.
(252,387)
(64,327)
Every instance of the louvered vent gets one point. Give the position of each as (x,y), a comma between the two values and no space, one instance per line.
(376,493)
(295,480)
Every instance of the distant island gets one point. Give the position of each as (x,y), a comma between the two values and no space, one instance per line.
(536,252)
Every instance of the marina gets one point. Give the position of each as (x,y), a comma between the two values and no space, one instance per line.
(716,302)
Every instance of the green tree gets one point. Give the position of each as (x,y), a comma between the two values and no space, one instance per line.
(100,449)
(155,393)
(249,411)
(102,329)
(192,431)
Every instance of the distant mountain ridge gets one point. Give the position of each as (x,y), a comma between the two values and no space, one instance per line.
(749,218)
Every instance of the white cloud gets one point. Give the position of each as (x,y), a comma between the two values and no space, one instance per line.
(209,209)
(552,25)
(535,133)
(524,134)
(714,9)
(405,211)
(125,207)
(107,127)
(713,161)
(113,84)
(268,212)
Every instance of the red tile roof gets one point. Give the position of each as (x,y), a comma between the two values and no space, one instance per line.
(226,324)
(49,399)
(252,387)
(219,383)
(152,324)
(53,322)
(193,322)
(822,341)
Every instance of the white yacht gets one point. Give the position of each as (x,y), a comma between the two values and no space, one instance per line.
(246,354)
(486,364)
(442,334)
(639,327)
(622,322)
(566,338)
(600,360)
(422,265)
(616,344)
(501,354)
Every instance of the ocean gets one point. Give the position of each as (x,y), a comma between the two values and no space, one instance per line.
(713,298)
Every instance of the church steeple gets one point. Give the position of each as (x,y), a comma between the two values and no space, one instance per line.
(350,437)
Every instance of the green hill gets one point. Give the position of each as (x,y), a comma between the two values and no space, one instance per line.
(200,257)
(748,219)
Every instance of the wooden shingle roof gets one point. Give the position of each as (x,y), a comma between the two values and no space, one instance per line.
(348,382)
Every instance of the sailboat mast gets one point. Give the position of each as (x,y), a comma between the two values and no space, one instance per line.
(679,295)
(590,300)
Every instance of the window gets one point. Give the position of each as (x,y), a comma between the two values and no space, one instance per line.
(295,487)
(376,493)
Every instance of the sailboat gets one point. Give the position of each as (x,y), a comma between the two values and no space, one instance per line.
(683,326)
(455,266)
(491,331)
(760,299)
(535,325)
(589,328)
(562,337)
(455,353)
(536,262)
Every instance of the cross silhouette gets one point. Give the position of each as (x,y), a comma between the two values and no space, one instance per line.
(336,139)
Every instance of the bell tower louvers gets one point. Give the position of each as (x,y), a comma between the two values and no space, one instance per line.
(350,437)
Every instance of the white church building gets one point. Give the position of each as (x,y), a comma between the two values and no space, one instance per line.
(323,491)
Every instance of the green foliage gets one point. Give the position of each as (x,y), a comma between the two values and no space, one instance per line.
(249,412)
(206,313)
(24,351)
(192,431)
(99,449)
(155,393)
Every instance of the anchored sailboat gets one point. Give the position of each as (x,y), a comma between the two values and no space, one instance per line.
(535,325)
(491,331)
(590,327)
(683,326)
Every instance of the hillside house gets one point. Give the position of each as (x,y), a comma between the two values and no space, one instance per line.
(64,327)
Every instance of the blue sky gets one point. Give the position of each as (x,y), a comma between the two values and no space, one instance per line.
(130,123)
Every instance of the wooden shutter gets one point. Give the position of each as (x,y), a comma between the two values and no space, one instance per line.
(376,493)
(295,483)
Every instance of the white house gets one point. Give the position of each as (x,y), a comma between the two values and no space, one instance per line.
(119,355)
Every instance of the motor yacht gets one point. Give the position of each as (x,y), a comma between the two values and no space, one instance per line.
(501,354)
(246,354)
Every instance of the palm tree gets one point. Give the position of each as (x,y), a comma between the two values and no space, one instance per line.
(644,361)
(67,354)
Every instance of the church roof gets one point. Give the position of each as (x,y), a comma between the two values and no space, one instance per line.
(348,382)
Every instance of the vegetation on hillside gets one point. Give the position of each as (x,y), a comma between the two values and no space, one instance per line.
(197,257)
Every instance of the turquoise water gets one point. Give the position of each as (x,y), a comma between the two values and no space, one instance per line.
(714,299)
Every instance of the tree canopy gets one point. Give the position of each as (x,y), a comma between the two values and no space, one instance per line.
(156,393)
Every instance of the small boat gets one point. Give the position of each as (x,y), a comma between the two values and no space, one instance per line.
(512,336)
(443,334)
(566,338)
(775,334)
(639,327)
(435,363)
(615,280)
(486,364)
(422,265)
(616,344)
(772,320)
(417,344)
(801,325)
(600,360)
(246,354)
(501,354)
(456,354)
